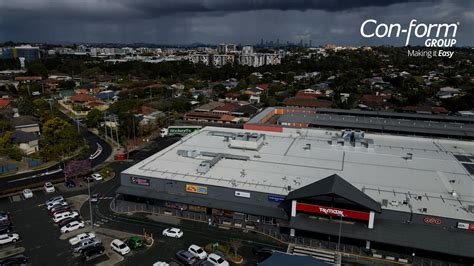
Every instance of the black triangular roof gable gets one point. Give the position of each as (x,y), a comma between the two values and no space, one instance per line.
(337,185)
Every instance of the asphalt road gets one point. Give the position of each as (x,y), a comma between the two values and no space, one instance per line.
(25,179)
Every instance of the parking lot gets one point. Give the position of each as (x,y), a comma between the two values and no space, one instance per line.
(43,244)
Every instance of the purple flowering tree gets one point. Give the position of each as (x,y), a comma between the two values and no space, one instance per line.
(77,168)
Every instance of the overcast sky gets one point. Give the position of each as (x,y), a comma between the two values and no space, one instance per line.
(214,21)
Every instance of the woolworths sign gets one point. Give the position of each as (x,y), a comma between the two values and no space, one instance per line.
(180,131)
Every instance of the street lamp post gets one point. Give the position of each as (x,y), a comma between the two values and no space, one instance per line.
(339,239)
(90,203)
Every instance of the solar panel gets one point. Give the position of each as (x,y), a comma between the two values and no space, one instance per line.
(469,168)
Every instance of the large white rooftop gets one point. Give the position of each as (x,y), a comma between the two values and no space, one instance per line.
(433,179)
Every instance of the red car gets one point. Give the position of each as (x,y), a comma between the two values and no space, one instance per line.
(60,211)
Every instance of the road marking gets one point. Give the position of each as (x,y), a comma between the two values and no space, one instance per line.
(41,205)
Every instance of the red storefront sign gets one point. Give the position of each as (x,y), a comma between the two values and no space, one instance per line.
(330,211)
(432,220)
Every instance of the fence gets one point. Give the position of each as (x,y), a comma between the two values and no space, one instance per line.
(32,162)
(8,167)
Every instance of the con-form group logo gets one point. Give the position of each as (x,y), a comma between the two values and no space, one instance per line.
(434,35)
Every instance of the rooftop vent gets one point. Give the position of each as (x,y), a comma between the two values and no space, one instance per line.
(385,202)
(470,208)
(425,210)
(307,147)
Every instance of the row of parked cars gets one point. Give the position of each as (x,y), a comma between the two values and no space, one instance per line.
(5,228)
(62,214)
(87,245)
(6,237)
(194,254)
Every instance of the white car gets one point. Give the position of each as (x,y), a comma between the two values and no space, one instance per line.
(54,199)
(173,232)
(119,246)
(217,260)
(197,251)
(75,240)
(49,188)
(9,238)
(65,215)
(72,226)
(27,193)
(55,204)
(96,177)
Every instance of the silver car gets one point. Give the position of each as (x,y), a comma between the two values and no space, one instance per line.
(84,244)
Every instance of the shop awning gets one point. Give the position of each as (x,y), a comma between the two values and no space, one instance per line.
(205,201)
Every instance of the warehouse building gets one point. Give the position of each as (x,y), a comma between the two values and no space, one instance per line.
(376,190)
(277,118)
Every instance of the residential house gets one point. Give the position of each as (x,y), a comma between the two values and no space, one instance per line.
(5,103)
(226,108)
(307,103)
(448,92)
(28,142)
(208,107)
(211,117)
(27,124)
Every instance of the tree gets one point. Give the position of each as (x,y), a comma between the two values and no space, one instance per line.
(59,139)
(7,148)
(235,244)
(76,168)
(93,117)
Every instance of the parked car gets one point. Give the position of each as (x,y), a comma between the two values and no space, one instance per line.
(197,251)
(55,211)
(135,242)
(84,244)
(70,183)
(5,228)
(6,223)
(54,199)
(205,263)
(17,260)
(96,177)
(217,260)
(68,221)
(49,187)
(27,193)
(173,232)
(56,204)
(119,246)
(186,257)
(95,197)
(65,215)
(4,216)
(78,238)
(92,251)
(9,238)
(72,226)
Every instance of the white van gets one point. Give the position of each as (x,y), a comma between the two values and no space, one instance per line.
(64,215)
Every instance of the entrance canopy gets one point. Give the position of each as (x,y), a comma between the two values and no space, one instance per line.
(335,185)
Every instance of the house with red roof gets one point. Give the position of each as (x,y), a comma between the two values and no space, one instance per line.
(226,108)
(82,98)
(5,103)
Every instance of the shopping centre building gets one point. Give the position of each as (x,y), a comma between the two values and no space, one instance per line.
(377,190)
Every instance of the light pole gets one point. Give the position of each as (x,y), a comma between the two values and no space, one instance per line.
(339,239)
(90,203)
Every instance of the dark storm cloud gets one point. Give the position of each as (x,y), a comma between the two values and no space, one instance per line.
(183,6)
(211,21)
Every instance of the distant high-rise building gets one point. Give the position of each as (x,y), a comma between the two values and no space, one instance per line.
(224,48)
(278,42)
(25,51)
(310,45)
(261,42)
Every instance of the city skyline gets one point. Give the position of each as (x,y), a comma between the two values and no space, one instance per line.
(210,22)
